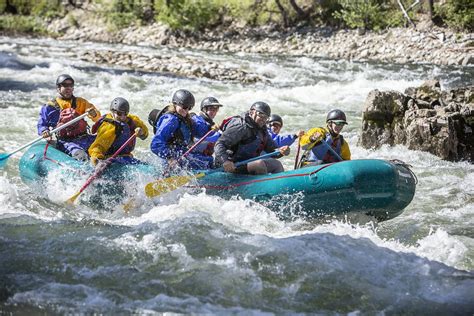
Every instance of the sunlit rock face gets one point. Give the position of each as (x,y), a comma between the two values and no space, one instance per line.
(423,118)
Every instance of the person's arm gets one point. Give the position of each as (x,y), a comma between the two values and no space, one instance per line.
(104,139)
(312,137)
(139,123)
(165,128)
(345,151)
(232,135)
(48,117)
(83,106)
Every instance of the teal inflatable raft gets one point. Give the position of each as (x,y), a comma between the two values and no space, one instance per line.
(373,187)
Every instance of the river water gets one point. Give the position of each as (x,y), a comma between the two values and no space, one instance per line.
(202,254)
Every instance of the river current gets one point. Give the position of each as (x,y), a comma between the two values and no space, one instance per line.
(197,253)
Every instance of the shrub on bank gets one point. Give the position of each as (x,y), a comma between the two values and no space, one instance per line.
(198,15)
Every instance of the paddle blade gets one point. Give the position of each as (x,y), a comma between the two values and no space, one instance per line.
(73,198)
(166,185)
(3,159)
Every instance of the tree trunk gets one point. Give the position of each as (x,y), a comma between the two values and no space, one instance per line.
(301,14)
(430,8)
(283,12)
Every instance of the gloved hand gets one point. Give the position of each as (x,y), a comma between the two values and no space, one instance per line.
(284,151)
(316,137)
(215,127)
(92,112)
(94,161)
(300,133)
(140,133)
(80,155)
(46,134)
(228,166)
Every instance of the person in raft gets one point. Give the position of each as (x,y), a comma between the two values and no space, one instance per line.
(244,137)
(75,139)
(275,124)
(113,130)
(316,151)
(204,121)
(174,130)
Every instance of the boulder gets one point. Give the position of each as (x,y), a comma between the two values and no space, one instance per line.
(423,118)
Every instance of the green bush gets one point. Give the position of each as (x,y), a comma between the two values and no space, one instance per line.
(458,14)
(188,14)
(21,24)
(369,14)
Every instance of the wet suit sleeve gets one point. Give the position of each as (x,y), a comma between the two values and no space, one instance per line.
(139,123)
(305,141)
(345,151)
(165,129)
(232,135)
(105,138)
(83,105)
(48,117)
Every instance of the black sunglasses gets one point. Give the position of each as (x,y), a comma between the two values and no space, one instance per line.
(67,85)
(119,113)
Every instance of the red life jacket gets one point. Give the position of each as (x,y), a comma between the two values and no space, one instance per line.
(77,129)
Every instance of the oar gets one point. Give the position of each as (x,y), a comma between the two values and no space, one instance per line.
(332,150)
(297,154)
(169,184)
(4,157)
(98,172)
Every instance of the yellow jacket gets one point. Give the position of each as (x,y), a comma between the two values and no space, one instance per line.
(82,105)
(106,137)
(307,145)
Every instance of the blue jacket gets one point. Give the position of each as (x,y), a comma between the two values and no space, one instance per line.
(48,117)
(282,140)
(172,137)
(201,156)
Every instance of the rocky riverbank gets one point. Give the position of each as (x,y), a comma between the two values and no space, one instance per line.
(424,118)
(425,44)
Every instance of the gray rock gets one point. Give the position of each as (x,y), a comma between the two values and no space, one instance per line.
(422,124)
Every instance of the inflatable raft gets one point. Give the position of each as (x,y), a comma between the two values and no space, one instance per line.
(373,187)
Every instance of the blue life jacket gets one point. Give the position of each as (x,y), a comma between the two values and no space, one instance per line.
(171,142)
(203,125)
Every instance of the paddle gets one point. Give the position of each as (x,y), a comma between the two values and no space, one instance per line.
(99,171)
(4,157)
(169,184)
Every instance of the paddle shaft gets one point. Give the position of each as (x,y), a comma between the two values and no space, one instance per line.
(101,170)
(297,155)
(57,129)
(332,150)
(197,143)
(241,163)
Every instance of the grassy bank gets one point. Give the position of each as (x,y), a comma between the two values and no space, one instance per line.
(198,15)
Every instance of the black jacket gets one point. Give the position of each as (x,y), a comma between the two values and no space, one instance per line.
(242,139)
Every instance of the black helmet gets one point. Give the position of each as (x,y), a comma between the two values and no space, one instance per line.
(153,117)
(261,107)
(183,98)
(275,118)
(120,104)
(336,116)
(63,78)
(209,101)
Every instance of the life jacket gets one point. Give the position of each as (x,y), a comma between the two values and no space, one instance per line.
(206,147)
(251,146)
(66,115)
(123,131)
(183,135)
(322,153)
